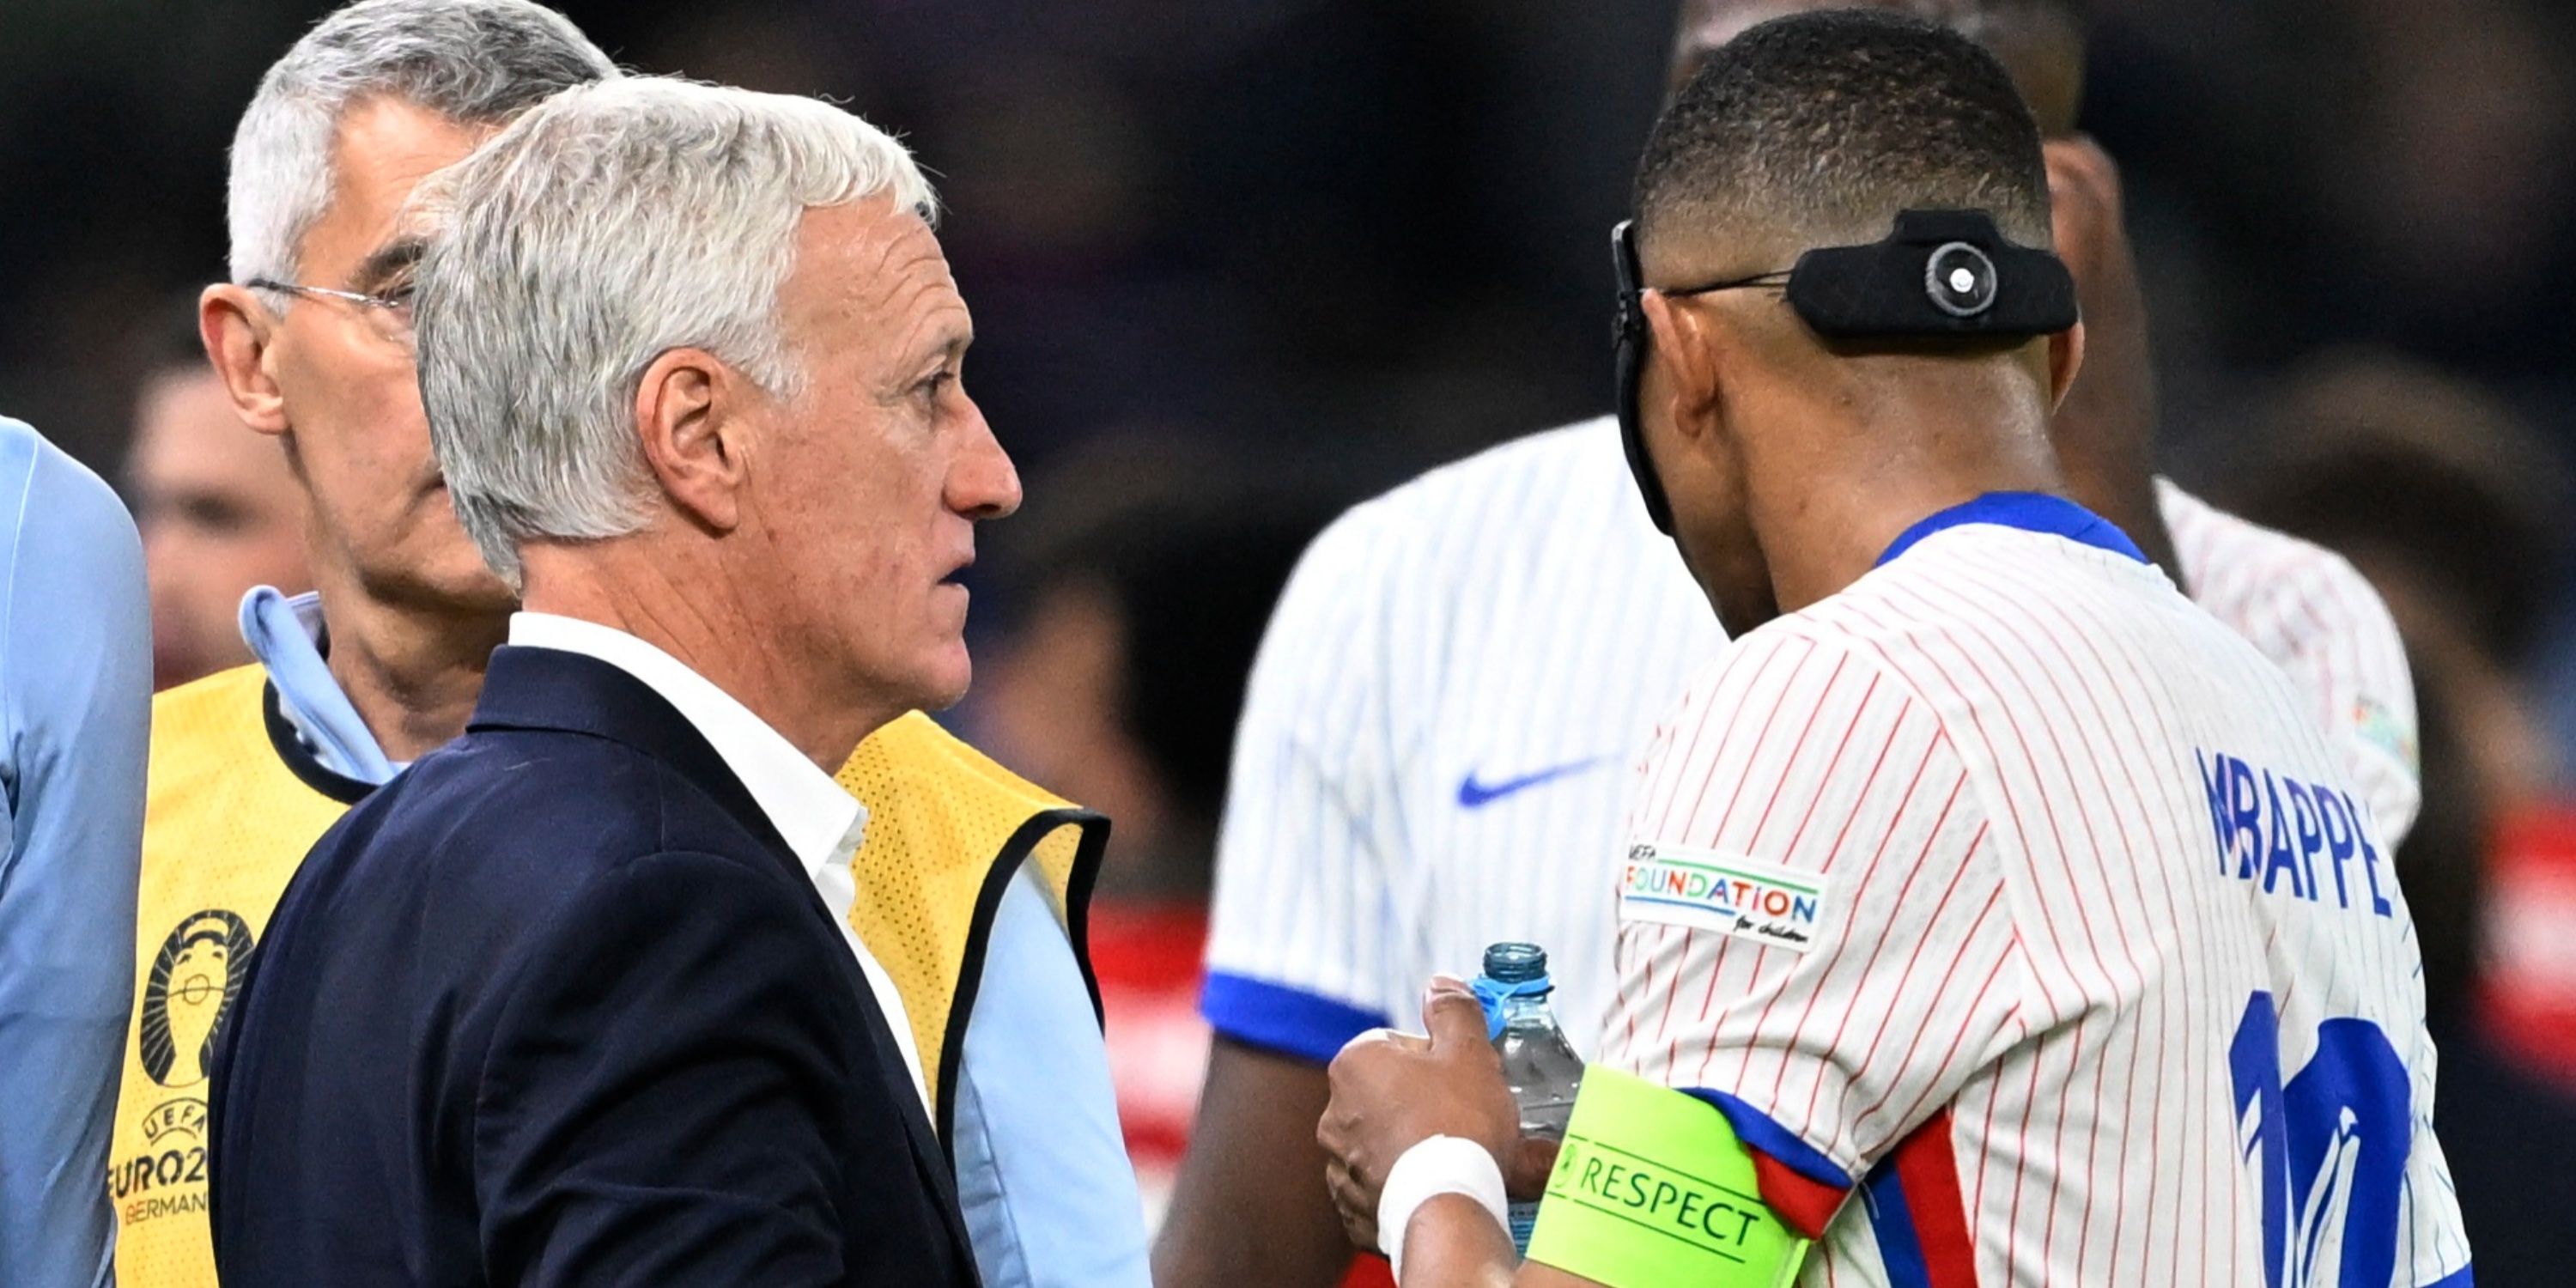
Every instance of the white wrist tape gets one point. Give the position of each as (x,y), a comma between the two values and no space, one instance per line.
(1436,1166)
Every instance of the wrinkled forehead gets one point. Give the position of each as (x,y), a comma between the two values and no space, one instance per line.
(872,270)
(384,153)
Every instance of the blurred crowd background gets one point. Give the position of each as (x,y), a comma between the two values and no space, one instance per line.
(1236,263)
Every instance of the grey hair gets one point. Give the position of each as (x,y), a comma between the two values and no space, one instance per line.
(477,62)
(608,226)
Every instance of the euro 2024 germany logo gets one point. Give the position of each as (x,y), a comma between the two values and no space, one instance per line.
(194,980)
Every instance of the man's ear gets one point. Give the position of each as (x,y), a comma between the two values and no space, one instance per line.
(2065,358)
(2084,202)
(690,411)
(1681,341)
(238,331)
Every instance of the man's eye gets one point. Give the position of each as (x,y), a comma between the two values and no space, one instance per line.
(937,384)
(215,514)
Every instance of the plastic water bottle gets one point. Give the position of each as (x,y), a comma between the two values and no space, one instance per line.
(1538,1064)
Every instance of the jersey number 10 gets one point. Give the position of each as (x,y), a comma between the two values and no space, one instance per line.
(2329,1148)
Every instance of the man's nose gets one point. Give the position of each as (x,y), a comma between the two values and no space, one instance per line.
(983,484)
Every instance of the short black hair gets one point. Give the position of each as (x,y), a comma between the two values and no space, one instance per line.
(1823,126)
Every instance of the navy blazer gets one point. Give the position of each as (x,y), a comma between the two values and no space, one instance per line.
(558,1006)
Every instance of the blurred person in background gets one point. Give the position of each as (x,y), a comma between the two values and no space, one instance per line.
(75,688)
(1119,676)
(220,513)
(964,875)
(2454,508)
(1433,749)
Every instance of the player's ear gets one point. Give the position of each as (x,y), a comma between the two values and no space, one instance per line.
(1684,347)
(2065,359)
(239,333)
(692,415)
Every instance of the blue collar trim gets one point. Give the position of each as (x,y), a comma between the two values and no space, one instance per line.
(2028,511)
(285,634)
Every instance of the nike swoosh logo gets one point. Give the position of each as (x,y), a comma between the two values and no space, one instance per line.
(1476,795)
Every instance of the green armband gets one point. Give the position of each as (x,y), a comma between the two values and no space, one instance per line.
(1653,1189)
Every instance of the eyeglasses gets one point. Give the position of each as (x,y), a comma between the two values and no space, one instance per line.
(388,315)
(1779,277)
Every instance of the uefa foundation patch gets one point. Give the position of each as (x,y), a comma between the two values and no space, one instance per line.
(1732,895)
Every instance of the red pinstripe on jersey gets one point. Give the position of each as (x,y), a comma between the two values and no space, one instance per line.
(2012,1023)
(1515,612)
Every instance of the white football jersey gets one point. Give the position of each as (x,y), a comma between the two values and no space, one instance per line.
(1436,749)
(2312,613)
(2017,893)
(1440,739)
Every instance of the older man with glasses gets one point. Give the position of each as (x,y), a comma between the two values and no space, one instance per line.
(311,339)
(969,886)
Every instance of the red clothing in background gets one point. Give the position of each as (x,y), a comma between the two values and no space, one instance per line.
(1146,957)
(2527,984)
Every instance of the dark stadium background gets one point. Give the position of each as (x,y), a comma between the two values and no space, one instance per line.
(1375,229)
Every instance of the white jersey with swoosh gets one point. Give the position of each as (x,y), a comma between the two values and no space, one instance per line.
(1438,742)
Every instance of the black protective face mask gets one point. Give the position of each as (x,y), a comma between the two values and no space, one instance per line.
(1941,275)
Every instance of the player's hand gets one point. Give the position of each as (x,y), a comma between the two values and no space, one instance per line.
(1392,1091)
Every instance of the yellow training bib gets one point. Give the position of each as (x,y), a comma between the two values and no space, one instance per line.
(233,803)
(226,819)
(947,828)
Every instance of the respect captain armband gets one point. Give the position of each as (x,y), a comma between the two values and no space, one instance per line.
(1652,1188)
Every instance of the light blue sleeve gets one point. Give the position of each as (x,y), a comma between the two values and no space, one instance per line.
(75,710)
(1042,1172)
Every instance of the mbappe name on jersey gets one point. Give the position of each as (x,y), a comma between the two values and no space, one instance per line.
(2269,825)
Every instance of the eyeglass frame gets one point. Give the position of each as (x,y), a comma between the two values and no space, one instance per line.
(389,304)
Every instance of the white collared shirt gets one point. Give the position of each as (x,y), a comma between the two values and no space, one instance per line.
(821,823)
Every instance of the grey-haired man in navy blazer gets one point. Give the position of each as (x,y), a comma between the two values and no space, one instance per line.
(574,1000)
